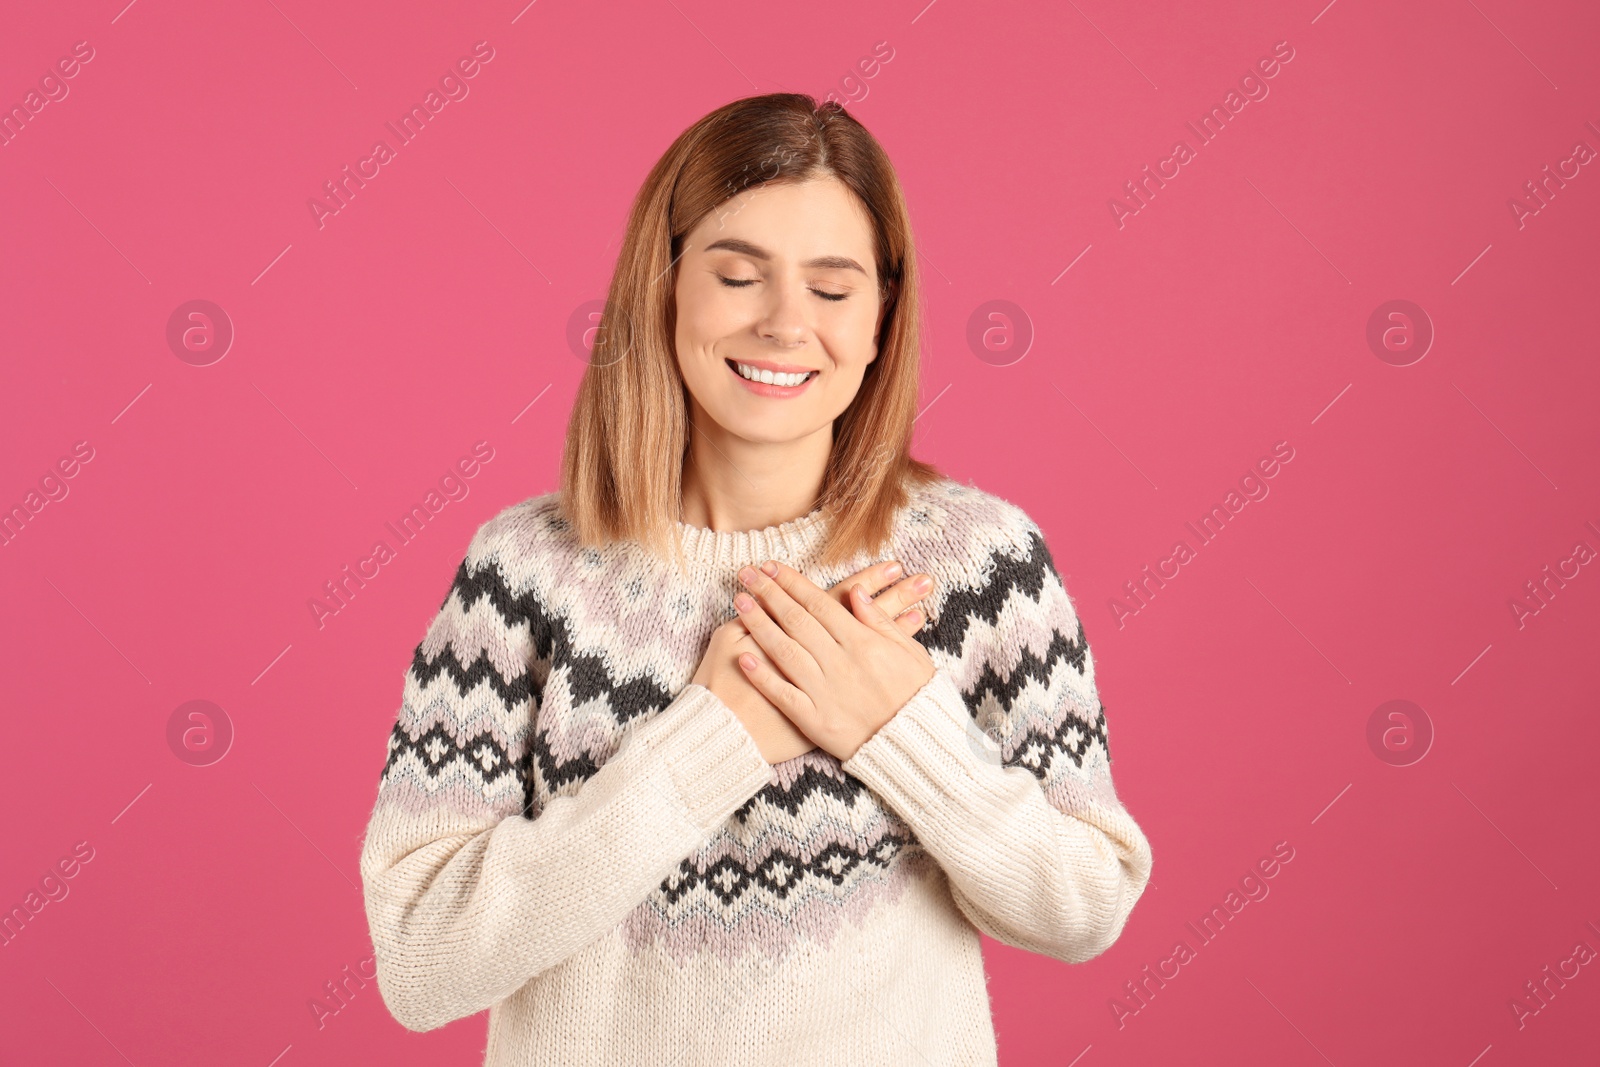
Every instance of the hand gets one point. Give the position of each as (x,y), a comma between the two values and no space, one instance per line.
(841,672)
(900,602)
(775,735)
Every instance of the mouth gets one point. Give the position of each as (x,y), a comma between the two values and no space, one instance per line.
(784,385)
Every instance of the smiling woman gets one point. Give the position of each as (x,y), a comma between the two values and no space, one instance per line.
(772,234)
(644,816)
(757,321)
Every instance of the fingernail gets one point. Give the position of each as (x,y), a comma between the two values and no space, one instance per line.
(770,569)
(747,576)
(894,571)
(922,585)
(743,602)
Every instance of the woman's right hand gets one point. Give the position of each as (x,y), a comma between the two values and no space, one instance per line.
(719,669)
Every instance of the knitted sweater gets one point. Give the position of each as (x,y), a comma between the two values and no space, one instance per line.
(571,834)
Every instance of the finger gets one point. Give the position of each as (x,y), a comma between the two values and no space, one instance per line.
(910,622)
(901,595)
(868,611)
(875,578)
(806,613)
(771,683)
(791,657)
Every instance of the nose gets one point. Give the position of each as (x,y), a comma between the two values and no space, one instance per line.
(783,321)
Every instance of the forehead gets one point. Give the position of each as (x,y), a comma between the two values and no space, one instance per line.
(792,221)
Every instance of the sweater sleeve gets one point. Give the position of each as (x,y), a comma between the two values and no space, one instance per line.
(468,893)
(1000,766)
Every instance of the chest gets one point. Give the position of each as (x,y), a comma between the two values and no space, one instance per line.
(810,851)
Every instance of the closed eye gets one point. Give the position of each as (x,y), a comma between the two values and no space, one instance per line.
(740,283)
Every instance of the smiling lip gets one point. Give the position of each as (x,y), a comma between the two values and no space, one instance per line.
(776,391)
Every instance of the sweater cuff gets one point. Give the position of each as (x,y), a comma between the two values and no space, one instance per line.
(930,753)
(713,761)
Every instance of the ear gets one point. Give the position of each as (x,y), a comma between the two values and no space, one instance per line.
(885,301)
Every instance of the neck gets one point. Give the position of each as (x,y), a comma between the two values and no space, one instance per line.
(733,484)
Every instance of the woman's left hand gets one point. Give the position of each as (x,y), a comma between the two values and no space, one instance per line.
(841,673)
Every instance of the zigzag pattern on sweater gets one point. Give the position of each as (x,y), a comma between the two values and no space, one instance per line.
(434,751)
(809,850)
(1014,594)
(436,748)
(1033,576)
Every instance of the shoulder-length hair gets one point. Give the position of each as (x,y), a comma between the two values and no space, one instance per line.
(628,437)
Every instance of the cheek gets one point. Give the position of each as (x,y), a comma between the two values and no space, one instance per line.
(697,306)
(695,339)
(850,339)
(703,324)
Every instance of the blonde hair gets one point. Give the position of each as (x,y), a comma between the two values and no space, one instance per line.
(628,437)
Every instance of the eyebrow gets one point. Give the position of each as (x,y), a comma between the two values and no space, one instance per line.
(734,244)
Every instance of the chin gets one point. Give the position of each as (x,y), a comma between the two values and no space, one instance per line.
(764,433)
(751,426)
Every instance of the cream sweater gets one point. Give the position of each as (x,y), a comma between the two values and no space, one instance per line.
(570,834)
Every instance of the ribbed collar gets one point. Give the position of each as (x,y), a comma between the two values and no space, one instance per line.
(794,542)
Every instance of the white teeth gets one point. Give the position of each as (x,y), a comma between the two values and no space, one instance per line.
(768,377)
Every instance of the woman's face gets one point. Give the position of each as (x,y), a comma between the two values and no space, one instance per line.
(778,278)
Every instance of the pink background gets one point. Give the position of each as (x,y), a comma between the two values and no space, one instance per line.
(432,312)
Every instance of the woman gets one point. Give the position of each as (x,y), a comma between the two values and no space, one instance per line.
(682,774)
